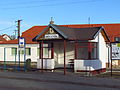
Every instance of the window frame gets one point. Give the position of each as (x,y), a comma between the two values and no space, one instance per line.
(15,51)
(117,39)
(89,50)
(29,51)
(22,51)
(50,49)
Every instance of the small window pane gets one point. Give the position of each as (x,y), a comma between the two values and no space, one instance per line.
(46,53)
(117,39)
(82,53)
(14,51)
(38,51)
(28,51)
(93,53)
(22,52)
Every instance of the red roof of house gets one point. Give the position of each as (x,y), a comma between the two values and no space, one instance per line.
(2,39)
(112,30)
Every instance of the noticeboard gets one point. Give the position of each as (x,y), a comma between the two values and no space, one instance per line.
(21,42)
(115,51)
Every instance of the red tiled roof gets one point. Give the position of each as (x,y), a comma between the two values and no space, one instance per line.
(2,39)
(10,42)
(28,35)
(31,33)
(113,30)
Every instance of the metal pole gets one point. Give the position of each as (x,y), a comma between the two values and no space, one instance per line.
(42,57)
(64,57)
(4,59)
(15,61)
(18,56)
(108,57)
(111,57)
(24,55)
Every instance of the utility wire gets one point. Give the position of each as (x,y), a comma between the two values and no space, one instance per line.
(54,4)
(26,2)
(7,28)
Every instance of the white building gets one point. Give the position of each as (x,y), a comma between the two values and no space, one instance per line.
(63,46)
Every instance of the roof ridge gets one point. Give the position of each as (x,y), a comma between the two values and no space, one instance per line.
(92,24)
(78,28)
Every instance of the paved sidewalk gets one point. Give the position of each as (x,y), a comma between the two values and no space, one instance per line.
(55,81)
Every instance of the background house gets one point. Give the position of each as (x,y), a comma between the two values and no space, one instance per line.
(4,38)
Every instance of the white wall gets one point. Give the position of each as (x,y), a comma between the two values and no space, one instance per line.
(59,52)
(1,54)
(88,65)
(103,51)
(94,64)
(47,64)
(10,57)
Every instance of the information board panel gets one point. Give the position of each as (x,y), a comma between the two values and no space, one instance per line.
(115,51)
(21,42)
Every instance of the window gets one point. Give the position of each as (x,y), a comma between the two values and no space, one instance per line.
(47,51)
(117,39)
(28,51)
(87,51)
(14,51)
(94,51)
(38,51)
(82,53)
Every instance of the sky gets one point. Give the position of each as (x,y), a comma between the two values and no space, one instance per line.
(39,12)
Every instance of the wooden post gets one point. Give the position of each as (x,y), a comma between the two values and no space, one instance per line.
(64,57)
(52,55)
(89,50)
(75,57)
(89,56)
(40,50)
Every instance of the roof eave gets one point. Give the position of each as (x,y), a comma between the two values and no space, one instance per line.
(55,28)
(96,34)
(101,29)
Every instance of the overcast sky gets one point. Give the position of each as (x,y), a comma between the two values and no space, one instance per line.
(38,12)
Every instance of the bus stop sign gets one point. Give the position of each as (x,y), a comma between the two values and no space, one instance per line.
(21,42)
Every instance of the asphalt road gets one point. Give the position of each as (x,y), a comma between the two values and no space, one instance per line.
(54,81)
